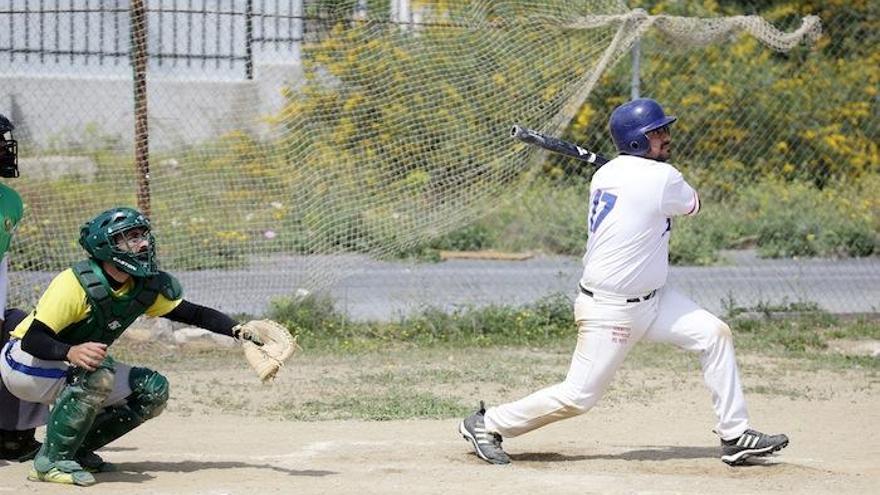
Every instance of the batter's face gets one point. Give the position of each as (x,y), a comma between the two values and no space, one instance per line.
(659,144)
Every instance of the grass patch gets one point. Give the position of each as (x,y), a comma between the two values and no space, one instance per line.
(795,330)
(390,380)
(321,326)
(439,365)
(397,403)
(777,391)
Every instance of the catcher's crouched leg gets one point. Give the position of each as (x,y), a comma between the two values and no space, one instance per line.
(69,422)
(149,394)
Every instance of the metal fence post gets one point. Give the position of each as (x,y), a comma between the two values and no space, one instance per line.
(138,56)
(635,83)
(249,39)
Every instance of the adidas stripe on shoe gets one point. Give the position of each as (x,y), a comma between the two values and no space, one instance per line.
(751,443)
(487,445)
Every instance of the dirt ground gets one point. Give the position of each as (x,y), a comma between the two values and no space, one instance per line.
(631,443)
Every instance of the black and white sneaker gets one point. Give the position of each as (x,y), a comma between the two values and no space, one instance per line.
(486,445)
(751,443)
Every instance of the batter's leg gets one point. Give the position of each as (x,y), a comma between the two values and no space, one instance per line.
(606,333)
(680,321)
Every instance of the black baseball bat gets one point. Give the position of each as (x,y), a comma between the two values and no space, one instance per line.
(557,145)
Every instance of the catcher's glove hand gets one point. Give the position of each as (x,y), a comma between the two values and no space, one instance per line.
(267,345)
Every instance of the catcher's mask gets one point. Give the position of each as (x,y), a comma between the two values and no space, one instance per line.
(631,122)
(121,236)
(8,149)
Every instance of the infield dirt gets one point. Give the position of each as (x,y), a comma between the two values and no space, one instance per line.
(225,434)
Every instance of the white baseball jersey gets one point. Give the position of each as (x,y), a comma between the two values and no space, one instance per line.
(632,202)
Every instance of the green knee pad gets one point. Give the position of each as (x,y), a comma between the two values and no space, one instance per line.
(149,393)
(73,414)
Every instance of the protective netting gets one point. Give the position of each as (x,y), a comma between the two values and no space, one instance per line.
(317,145)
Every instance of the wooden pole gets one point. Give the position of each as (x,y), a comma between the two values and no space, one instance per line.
(141,130)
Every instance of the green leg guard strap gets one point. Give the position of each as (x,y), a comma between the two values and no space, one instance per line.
(147,400)
(71,419)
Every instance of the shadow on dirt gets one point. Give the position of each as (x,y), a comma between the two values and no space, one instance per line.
(133,472)
(646,453)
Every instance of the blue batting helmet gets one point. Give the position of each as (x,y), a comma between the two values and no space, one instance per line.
(631,122)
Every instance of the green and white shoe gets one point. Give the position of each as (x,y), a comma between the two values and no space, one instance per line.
(64,472)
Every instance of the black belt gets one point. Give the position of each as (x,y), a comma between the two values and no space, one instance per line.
(649,295)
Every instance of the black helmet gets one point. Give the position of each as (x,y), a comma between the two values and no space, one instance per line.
(8,149)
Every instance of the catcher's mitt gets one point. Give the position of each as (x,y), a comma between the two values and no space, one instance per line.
(267,345)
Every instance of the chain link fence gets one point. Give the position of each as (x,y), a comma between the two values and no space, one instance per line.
(345,146)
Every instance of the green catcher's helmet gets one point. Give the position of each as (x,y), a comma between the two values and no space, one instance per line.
(100,238)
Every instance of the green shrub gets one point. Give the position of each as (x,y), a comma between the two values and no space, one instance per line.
(320,324)
(796,219)
(314,316)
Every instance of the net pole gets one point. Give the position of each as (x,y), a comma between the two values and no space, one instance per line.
(635,82)
(141,130)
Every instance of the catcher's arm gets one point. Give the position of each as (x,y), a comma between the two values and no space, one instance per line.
(267,345)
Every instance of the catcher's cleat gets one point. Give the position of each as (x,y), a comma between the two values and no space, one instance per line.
(487,445)
(93,463)
(751,443)
(64,472)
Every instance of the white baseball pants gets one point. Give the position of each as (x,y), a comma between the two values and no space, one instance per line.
(608,327)
(37,380)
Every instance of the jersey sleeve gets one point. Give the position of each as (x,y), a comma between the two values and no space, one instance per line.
(162,306)
(679,198)
(61,305)
(170,295)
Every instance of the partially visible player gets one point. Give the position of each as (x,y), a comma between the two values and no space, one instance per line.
(18,419)
(623,298)
(59,353)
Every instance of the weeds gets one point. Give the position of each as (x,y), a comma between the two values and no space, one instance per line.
(797,329)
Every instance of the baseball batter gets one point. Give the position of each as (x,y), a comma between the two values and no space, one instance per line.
(623,298)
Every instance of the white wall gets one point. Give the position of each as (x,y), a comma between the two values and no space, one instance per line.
(54,110)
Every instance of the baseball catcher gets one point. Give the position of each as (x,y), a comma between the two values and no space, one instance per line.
(58,354)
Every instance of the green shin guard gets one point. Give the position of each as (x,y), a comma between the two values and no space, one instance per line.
(147,400)
(69,421)
(109,425)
